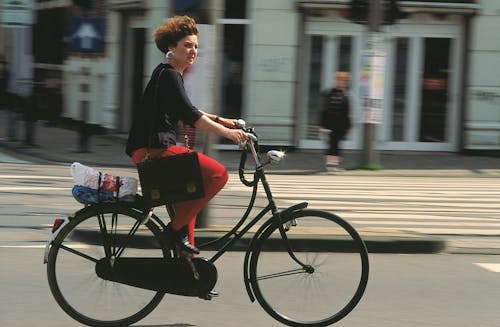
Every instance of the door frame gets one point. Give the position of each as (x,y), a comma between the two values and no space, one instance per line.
(416,33)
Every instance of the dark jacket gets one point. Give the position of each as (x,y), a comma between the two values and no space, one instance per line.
(335,114)
(172,105)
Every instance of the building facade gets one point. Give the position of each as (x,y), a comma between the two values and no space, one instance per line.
(440,87)
(273,59)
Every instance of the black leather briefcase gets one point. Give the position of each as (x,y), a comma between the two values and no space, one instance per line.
(171,179)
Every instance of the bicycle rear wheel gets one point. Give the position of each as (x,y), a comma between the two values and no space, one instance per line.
(323,284)
(95,233)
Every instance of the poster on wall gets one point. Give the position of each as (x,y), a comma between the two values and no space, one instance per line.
(372,85)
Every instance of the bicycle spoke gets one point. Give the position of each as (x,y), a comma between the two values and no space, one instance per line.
(283,273)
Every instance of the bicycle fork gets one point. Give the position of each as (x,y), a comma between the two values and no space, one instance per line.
(283,228)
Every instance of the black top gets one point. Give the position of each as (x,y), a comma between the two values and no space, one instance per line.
(335,114)
(173,106)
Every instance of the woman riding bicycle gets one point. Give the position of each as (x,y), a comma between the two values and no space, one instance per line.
(177,38)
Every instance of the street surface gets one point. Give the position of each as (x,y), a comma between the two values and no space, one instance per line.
(404,290)
(461,210)
(417,290)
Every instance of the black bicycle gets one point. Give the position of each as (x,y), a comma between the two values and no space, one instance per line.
(110,264)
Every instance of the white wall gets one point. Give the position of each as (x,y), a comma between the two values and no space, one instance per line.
(482,119)
(272,51)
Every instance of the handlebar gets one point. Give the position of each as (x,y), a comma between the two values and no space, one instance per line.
(252,146)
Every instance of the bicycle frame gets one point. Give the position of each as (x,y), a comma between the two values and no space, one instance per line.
(231,237)
(259,175)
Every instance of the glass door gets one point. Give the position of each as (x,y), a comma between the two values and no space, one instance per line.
(314,87)
(328,54)
(434,98)
(421,113)
(399,107)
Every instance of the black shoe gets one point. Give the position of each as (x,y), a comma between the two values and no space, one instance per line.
(181,239)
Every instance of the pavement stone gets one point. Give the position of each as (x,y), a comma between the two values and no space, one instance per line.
(60,144)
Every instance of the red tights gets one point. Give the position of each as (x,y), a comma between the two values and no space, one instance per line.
(214,175)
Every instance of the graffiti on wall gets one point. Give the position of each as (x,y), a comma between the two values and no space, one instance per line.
(275,65)
(486,96)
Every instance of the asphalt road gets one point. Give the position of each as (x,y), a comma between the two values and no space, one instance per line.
(403,290)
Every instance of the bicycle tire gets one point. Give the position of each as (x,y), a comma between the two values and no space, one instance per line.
(73,280)
(296,297)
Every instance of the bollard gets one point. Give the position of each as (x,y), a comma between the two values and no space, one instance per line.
(83,130)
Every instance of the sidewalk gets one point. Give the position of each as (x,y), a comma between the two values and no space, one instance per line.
(61,145)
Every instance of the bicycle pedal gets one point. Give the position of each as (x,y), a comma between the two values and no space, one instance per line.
(210,295)
(206,297)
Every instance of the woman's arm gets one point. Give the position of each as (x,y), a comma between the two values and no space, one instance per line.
(229,123)
(207,124)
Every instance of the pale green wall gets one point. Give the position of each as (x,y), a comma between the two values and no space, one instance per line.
(272,51)
(482,119)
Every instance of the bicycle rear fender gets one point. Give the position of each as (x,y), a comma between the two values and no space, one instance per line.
(57,226)
(269,222)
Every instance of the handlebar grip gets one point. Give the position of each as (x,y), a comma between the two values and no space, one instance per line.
(252,136)
(240,123)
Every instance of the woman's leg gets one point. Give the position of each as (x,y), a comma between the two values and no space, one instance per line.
(333,150)
(214,176)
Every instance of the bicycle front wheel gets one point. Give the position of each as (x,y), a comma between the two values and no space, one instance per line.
(309,281)
(97,232)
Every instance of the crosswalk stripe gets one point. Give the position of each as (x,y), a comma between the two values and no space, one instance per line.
(441,206)
(438,205)
(17,177)
(33,188)
(494,267)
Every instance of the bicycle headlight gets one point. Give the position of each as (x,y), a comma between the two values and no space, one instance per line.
(275,155)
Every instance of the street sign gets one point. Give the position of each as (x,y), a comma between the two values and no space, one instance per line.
(87,35)
(17,13)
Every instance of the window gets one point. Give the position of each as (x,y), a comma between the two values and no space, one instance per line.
(399,89)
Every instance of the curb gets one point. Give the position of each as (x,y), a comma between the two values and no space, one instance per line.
(374,244)
(302,242)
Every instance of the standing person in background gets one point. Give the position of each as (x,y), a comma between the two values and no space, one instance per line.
(177,39)
(335,118)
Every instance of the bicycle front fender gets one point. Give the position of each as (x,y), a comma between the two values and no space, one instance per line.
(248,254)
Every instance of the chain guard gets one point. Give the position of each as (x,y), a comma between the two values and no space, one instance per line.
(174,276)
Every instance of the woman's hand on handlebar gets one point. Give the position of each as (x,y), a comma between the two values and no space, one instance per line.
(238,136)
(229,123)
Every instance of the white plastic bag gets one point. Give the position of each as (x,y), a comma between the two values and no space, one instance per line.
(89,177)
